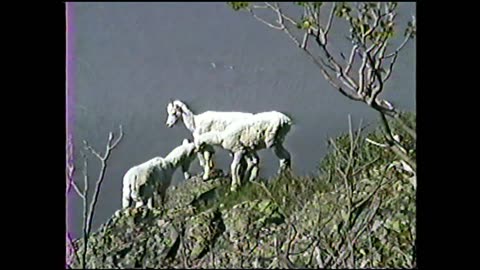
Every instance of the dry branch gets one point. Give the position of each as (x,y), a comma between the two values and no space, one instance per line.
(89,212)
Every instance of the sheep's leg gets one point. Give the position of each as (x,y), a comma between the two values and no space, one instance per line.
(185,170)
(235,170)
(201,159)
(253,166)
(284,156)
(207,165)
(244,167)
(208,162)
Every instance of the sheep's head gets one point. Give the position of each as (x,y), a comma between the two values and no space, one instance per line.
(174,112)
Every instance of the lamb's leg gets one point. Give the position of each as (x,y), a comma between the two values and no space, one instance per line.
(235,170)
(150,203)
(162,192)
(126,198)
(284,156)
(139,204)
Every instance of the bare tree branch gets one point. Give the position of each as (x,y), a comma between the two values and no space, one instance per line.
(264,21)
(77,190)
(389,70)
(394,53)
(330,18)
(351,59)
(88,212)
(361,80)
(85,212)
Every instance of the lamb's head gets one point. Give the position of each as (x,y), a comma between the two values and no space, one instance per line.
(174,112)
(189,147)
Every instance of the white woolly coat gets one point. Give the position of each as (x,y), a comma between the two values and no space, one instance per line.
(217,121)
(143,181)
(259,131)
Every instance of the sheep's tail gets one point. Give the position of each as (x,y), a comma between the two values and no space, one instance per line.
(276,136)
(284,128)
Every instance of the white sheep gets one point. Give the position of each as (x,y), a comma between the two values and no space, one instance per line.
(244,138)
(201,123)
(142,183)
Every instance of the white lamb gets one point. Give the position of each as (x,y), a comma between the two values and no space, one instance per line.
(201,123)
(142,183)
(244,138)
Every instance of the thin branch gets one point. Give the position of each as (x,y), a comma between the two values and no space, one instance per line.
(259,7)
(77,190)
(332,142)
(392,54)
(112,146)
(290,35)
(283,16)
(264,21)
(350,95)
(85,212)
(330,19)
(89,148)
(389,71)
(351,59)
(88,218)
(305,40)
(376,143)
(361,80)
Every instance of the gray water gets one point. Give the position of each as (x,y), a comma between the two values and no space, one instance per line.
(131,58)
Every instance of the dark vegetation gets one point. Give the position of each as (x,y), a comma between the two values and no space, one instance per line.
(358,211)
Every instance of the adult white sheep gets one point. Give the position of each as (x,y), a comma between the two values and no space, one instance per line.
(201,123)
(142,183)
(244,138)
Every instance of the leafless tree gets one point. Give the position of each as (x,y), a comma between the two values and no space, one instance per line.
(89,211)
